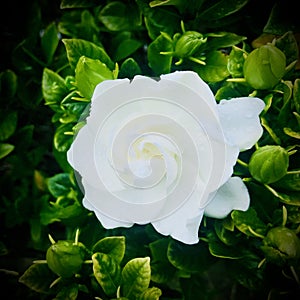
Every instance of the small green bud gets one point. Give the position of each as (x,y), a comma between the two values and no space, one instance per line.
(189,43)
(269,163)
(281,246)
(264,67)
(65,258)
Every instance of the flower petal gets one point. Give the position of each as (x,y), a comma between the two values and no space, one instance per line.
(233,195)
(192,81)
(240,120)
(106,222)
(183,224)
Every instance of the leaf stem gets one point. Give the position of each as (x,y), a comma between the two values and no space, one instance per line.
(284,215)
(76,236)
(51,239)
(236,79)
(197,60)
(40,261)
(293,172)
(261,263)
(255,233)
(242,163)
(295,274)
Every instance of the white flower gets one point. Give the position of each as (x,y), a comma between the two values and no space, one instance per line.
(163,152)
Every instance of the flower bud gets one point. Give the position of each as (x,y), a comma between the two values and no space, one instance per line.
(65,258)
(264,67)
(269,163)
(281,246)
(189,43)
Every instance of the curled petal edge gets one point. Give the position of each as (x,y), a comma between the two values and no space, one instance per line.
(232,195)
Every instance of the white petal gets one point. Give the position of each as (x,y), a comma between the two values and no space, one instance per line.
(233,195)
(106,222)
(240,120)
(183,224)
(192,81)
(106,85)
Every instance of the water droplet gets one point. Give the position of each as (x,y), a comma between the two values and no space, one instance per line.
(249,115)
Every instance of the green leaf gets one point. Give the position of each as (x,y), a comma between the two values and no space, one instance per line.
(228,237)
(76,3)
(163,272)
(63,141)
(49,42)
(292,198)
(59,185)
(281,19)
(296,95)
(136,277)
(113,246)
(8,84)
(78,47)
(188,258)
(118,16)
(180,4)
(68,292)
(24,137)
(129,69)
(291,133)
(222,9)
(159,250)
(221,40)
(215,69)
(38,277)
(159,19)
(218,249)
(5,149)
(107,272)
(248,222)
(159,63)
(8,124)
(151,294)
(90,72)
(287,43)
(235,62)
(64,209)
(231,90)
(53,87)
(126,48)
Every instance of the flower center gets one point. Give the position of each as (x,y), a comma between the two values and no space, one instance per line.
(153,157)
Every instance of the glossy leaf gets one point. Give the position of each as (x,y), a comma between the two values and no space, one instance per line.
(222,9)
(215,69)
(158,62)
(38,277)
(153,293)
(78,47)
(113,246)
(248,222)
(53,87)
(90,72)
(107,272)
(188,258)
(136,276)
(119,16)
(8,124)
(8,83)
(49,42)
(5,149)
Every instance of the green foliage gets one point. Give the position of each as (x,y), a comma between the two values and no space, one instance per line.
(49,73)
